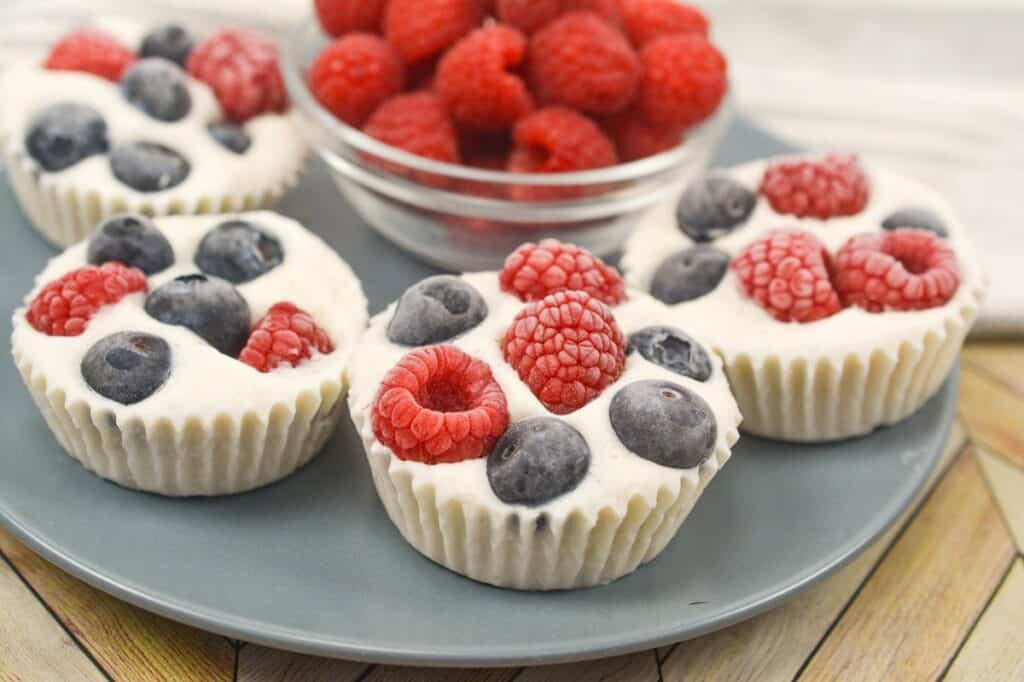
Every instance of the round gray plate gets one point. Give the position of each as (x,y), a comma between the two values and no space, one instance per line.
(312,564)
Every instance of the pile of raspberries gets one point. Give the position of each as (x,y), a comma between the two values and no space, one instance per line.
(536,86)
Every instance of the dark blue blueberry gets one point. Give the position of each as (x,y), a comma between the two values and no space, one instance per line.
(132,240)
(712,206)
(127,367)
(157,87)
(231,137)
(536,461)
(674,350)
(64,134)
(170,41)
(148,167)
(689,274)
(917,218)
(210,307)
(664,423)
(435,310)
(238,252)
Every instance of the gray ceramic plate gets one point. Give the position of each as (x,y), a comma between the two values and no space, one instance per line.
(312,564)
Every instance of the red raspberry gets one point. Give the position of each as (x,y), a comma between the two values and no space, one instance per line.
(531,15)
(347,16)
(903,269)
(835,186)
(65,306)
(353,75)
(417,123)
(474,79)
(684,80)
(90,51)
(788,273)
(534,271)
(439,405)
(567,347)
(646,20)
(635,138)
(582,61)
(419,29)
(285,336)
(241,68)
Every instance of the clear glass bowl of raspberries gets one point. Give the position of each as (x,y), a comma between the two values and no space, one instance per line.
(459,129)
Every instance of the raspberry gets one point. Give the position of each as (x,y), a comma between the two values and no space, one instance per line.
(531,15)
(338,17)
(567,347)
(834,186)
(787,273)
(65,306)
(581,61)
(353,75)
(474,80)
(241,68)
(439,405)
(646,20)
(684,80)
(635,138)
(285,336)
(534,271)
(904,269)
(419,29)
(90,51)
(417,123)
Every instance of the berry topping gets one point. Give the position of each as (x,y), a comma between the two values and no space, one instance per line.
(439,405)
(354,75)
(534,271)
(664,423)
(684,80)
(132,240)
(689,274)
(210,307)
(646,20)
(436,309)
(419,29)
(338,17)
(918,219)
(530,15)
(788,273)
(157,87)
(636,138)
(536,461)
(238,252)
(567,347)
(230,136)
(417,123)
(241,68)
(712,206)
(65,306)
(90,51)
(64,134)
(904,269)
(672,349)
(148,167)
(834,186)
(127,367)
(170,41)
(581,61)
(286,336)
(474,79)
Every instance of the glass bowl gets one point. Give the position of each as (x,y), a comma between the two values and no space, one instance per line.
(462,218)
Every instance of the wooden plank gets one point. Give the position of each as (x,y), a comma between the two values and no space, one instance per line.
(641,667)
(1007,484)
(386,673)
(992,414)
(130,644)
(33,646)
(995,650)
(916,608)
(1002,361)
(257,663)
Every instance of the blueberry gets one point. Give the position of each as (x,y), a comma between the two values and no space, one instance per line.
(674,350)
(712,206)
(435,310)
(157,87)
(664,423)
(536,461)
(210,307)
(127,367)
(132,240)
(148,167)
(917,218)
(231,137)
(238,252)
(170,41)
(689,274)
(64,134)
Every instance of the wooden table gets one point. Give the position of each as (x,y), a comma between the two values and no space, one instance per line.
(941,594)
